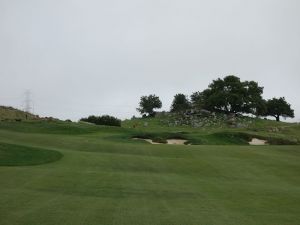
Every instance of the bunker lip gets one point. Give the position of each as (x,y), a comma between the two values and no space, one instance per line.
(169,141)
(256,141)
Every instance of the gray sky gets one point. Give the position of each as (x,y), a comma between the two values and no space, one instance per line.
(98,57)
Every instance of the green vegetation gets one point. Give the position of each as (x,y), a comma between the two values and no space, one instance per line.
(278,107)
(105,177)
(49,127)
(103,120)
(10,113)
(229,95)
(17,155)
(148,104)
(180,103)
(214,130)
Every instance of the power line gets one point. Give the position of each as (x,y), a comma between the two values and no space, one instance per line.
(28,104)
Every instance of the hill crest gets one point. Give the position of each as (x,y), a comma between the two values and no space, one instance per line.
(11,113)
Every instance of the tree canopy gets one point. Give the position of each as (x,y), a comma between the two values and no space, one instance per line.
(180,103)
(277,107)
(148,104)
(198,100)
(230,95)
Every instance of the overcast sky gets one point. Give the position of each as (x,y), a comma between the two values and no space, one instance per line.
(82,57)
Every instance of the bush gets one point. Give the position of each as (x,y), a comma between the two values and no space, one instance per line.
(103,120)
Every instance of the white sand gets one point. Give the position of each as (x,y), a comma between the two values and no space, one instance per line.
(176,141)
(148,140)
(169,141)
(256,141)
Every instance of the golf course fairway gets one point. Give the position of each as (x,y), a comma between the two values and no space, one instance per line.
(103,177)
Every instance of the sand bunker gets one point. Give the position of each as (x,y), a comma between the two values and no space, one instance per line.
(169,141)
(176,142)
(148,140)
(256,141)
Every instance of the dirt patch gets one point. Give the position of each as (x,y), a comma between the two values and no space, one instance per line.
(256,141)
(169,141)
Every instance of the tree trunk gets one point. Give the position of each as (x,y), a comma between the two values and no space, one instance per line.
(277,118)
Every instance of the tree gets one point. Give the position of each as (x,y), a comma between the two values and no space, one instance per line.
(230,95)
(277,107)
(261,108)
(198,100)
(253,101)
(180,103)
(148,104)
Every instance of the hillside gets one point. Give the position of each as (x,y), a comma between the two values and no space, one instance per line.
(10,113)
(216,129)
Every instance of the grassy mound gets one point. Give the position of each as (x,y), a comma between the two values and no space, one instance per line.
(53,127)
(10,113)
(214,132)
(242,138)
(17,155)
(214,138)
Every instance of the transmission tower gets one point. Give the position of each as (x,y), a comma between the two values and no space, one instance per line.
(28,102)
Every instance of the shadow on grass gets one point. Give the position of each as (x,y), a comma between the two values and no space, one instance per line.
(18,155)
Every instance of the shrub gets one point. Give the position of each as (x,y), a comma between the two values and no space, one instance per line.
(103,120)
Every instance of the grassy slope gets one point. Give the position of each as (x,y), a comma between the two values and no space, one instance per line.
(286,133)
(10,113)
(106,178)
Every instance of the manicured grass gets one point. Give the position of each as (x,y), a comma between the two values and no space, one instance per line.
(107,178)
(17,155)
(50,127)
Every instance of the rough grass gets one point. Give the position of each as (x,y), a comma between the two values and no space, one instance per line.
(284,134)
(107,178)
(10,113)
